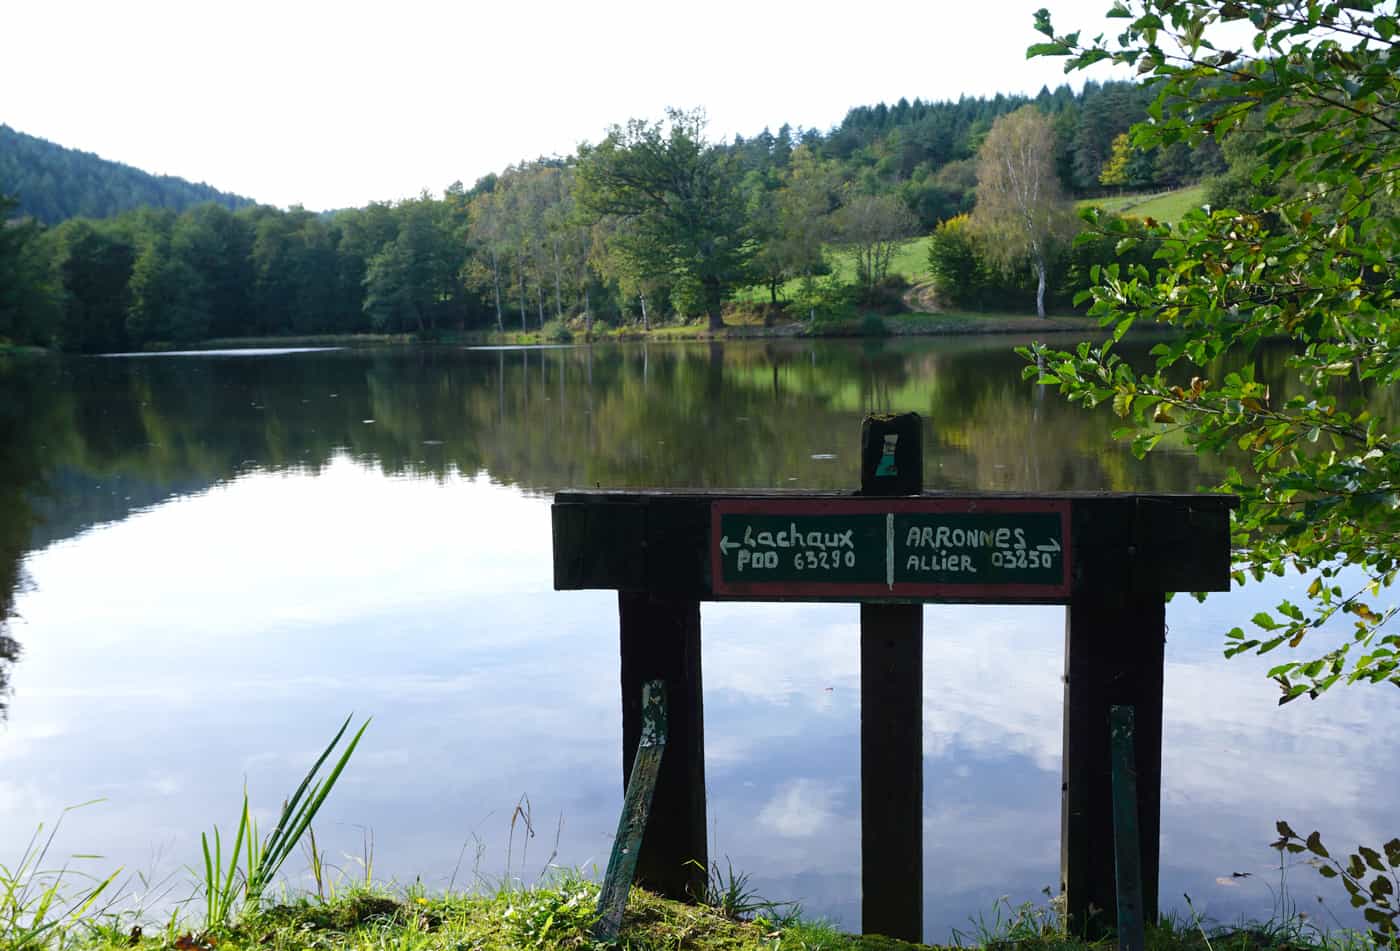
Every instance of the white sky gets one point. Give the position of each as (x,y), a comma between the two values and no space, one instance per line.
(337,104)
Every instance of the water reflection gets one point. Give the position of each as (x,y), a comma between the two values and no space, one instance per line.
(228,554)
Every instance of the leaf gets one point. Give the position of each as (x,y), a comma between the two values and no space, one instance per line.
(1372,858)
(1047,49)
(1285,830)
(1315,845)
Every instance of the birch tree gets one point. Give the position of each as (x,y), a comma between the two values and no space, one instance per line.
(1021,211)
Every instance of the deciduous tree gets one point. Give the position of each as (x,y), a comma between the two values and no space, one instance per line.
(1309,254)
(680,200)
(1021,210)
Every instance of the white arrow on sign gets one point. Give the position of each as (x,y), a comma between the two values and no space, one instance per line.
(1054,545)
(725,544)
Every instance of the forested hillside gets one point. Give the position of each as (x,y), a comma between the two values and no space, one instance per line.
(583,238)
(56,183)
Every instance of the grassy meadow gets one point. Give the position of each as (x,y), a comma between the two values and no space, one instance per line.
(1164,206)
(911,259)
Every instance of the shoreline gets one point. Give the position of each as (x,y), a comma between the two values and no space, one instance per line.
(897,326)
(902,325)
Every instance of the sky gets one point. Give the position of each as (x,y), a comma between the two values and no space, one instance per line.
(332,105)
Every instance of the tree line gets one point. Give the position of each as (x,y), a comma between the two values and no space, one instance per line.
(56,183)
(650,222)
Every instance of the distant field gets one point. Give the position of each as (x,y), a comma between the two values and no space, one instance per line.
(911,261)
(1164,206)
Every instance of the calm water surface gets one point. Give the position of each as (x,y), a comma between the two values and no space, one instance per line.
(208,561)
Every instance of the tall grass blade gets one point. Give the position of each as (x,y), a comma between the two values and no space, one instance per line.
(258,859)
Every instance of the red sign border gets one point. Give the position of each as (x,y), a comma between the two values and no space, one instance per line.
(902,591)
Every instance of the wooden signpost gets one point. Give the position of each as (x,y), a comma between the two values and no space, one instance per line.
(1110,558)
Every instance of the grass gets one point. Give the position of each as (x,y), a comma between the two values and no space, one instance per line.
(59,910)
(253,862)
(910,261)
(1164,206)
(557,915)
(38,903)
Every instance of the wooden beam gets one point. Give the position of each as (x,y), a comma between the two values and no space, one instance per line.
(891,711)
(660,640)
(1127,860)
(1114,644)
(636,809)
(661,541)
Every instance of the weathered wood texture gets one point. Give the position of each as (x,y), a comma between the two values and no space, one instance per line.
(892,770)
(660,541)
(1114,644)
(892,455)
(1127,859)
(636,809)
(661,641)
(891,711)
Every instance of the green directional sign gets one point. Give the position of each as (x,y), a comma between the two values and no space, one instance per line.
(803,547)
(1023,548)
(863,548)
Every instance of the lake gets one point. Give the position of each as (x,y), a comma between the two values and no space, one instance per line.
(209,560)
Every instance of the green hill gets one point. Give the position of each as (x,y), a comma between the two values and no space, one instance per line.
(54,183)
(1164,206)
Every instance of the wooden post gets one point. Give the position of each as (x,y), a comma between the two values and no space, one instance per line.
(1114,642)
(891,711)
(1127,861)
(636,809)
(661,641)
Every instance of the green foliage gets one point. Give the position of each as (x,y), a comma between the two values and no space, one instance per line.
(1169,206)
(679,199)
(1371,879)
(253,863)
(1013,924)
(731,894)
(1115,170)
(967,275)
(1311,256)
(829,302)
(56,183)
(25,291)
(36,901)
(559,912)
(960,270)
(1021,215)
(873,227)
(1129,245)
(873,325)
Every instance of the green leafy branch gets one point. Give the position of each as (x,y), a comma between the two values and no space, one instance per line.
(1316,464)
(1376,896)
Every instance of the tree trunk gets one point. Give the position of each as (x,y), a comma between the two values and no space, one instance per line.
(1040,288)
(496,284)
(714,300)
(646,324)
(523,325)
(587,314)
(558,294)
